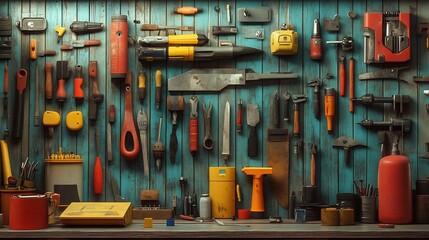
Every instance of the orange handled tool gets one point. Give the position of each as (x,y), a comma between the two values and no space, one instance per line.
(129,126)
(98,170)
(351,83)
(193,126)
(119,47)
(342,76)
(63,73)
(48,81)
(78,81)
(299,98)
(239,121)
(158,85)
(188,10)
(329,107)
(21,84)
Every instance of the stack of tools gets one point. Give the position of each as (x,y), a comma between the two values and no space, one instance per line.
(368,200)
(151,206)
(27,173)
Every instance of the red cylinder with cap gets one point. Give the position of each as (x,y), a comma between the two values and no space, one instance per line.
(395,193)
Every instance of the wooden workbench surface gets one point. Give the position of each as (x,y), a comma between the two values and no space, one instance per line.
(255,229)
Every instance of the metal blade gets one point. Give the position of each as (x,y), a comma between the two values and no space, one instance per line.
(252,115)
(226,132)
(115,189)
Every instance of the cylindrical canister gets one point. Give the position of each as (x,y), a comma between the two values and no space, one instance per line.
(369,209)
(119,47)
(222,191)
(347,216)
(28,212)
(5,200)
(329,217)
(205,206)
(394,189)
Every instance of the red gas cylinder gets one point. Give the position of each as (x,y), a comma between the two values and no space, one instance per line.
(394,187)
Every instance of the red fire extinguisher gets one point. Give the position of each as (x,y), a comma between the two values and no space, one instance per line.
(394,186)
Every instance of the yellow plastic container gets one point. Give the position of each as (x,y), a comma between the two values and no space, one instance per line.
(222,191)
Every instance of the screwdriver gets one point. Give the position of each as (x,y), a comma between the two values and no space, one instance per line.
(98,171)
(158,85)
(142,85)
(188,10)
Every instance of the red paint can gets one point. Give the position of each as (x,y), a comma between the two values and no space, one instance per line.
(395,193)
(28,212)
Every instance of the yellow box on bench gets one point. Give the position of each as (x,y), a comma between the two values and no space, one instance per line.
(98,213)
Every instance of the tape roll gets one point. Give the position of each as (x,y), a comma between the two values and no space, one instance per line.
(347,217)
(330,217)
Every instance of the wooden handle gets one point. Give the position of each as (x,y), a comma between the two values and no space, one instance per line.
(48,81)
(149,27)
(313,170)
(92,68)
(296,129)
(92,42)
(351,83)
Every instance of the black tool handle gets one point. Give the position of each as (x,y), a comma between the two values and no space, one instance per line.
(276,112)
(316,105)
(173,144)
(286,116)
(252,143)
(346,156)
(19,117)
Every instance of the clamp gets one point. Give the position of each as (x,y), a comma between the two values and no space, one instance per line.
(316,83)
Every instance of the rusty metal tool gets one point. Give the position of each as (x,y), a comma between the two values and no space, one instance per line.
(342,75)
(346,143)
(313,151)
(226,132)
(332,24)
(216,79)
(48,81)
(36,99)
(386,74)
(286,99)
(84,27)
(112,118)
(80,44)
(98,170)
(156,27)
(346,43)
(402,125)
(297,99)
(351,83)
(158,148)
(142,85)
(142,123)
(79,95)
(96,97)
(208,141)
(193,126)
(316,83)
(5,91)
(46,53)
(252,121)
(175,104)
(63,73)
(158,88)
(21,84)
(239,121)
(129,132)
(398,101)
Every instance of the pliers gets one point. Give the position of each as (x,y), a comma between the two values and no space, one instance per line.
(208,142)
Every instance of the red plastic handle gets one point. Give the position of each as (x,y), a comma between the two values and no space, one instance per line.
(193,135)
(342,79)
(98,176)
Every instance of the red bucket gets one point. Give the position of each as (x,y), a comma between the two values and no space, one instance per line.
(28,212)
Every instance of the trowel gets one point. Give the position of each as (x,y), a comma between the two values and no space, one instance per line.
(252,121)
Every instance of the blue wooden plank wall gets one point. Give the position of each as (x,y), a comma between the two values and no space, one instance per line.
(333,175)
